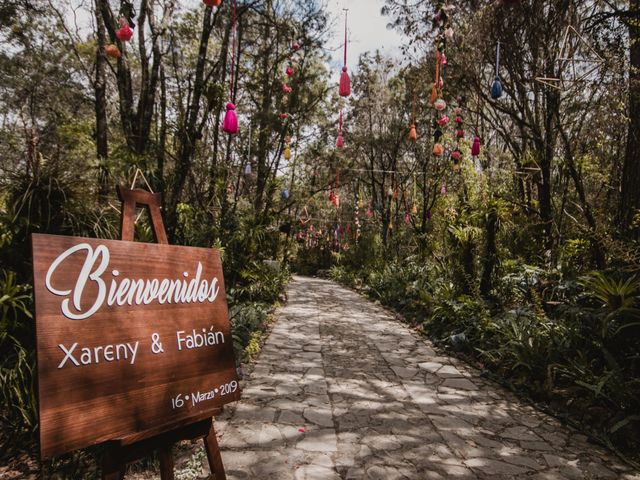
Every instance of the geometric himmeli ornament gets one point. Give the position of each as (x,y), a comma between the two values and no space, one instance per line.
(576,62)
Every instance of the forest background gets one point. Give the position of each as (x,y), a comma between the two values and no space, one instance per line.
(523,258)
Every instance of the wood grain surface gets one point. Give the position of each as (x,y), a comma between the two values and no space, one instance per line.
(85,404)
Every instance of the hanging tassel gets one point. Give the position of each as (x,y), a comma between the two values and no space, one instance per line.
(230,123)
(414,209)
(247,169)
(413,134)
(496,88)
(475,148)
(287,153)
(345,81)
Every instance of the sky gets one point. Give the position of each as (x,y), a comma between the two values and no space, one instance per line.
(367,30)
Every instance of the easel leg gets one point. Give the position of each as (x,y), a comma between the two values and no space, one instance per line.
(166,463)
(213,454)
(111,468)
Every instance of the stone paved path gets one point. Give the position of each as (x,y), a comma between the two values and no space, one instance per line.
(343,391)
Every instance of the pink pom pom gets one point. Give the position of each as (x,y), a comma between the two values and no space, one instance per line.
(125,33)
(286,88)
(289,71)
(295,46)
(340,141)
(345,83)
(230,123)
(283,116)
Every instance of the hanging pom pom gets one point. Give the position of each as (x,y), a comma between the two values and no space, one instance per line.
(247,169)
(360,203)
(340,140)
(369,212)
(414,209)
(230,123)
(440,104)
(443,190)
(287,153)
(442,121)
(112,51)
(443,59)
(413,134)
(496,88)
(289,71)
(295,46)
(458,119)
(345,83)
(286,88)
(285,194)
(124,33)
(407,218)
(475,148)
(283,116)
(438,149)
(336,200)
(460,133)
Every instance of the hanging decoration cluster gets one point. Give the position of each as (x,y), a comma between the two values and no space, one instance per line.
(125,32)
(230,122)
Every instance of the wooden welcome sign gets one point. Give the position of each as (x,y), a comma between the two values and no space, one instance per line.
(131,337)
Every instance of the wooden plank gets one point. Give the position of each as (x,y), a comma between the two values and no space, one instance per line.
(118,354)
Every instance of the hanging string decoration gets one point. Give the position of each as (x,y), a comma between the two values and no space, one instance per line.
(230,123)
(340,140)
(344,89)
(496,88)
(212,3)
(413,134)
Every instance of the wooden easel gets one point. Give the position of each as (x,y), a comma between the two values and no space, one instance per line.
(122,451)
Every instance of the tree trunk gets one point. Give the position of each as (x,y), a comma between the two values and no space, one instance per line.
(102,146)
(490,252)
(630,191)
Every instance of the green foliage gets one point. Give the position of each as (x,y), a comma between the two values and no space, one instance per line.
(17,364)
